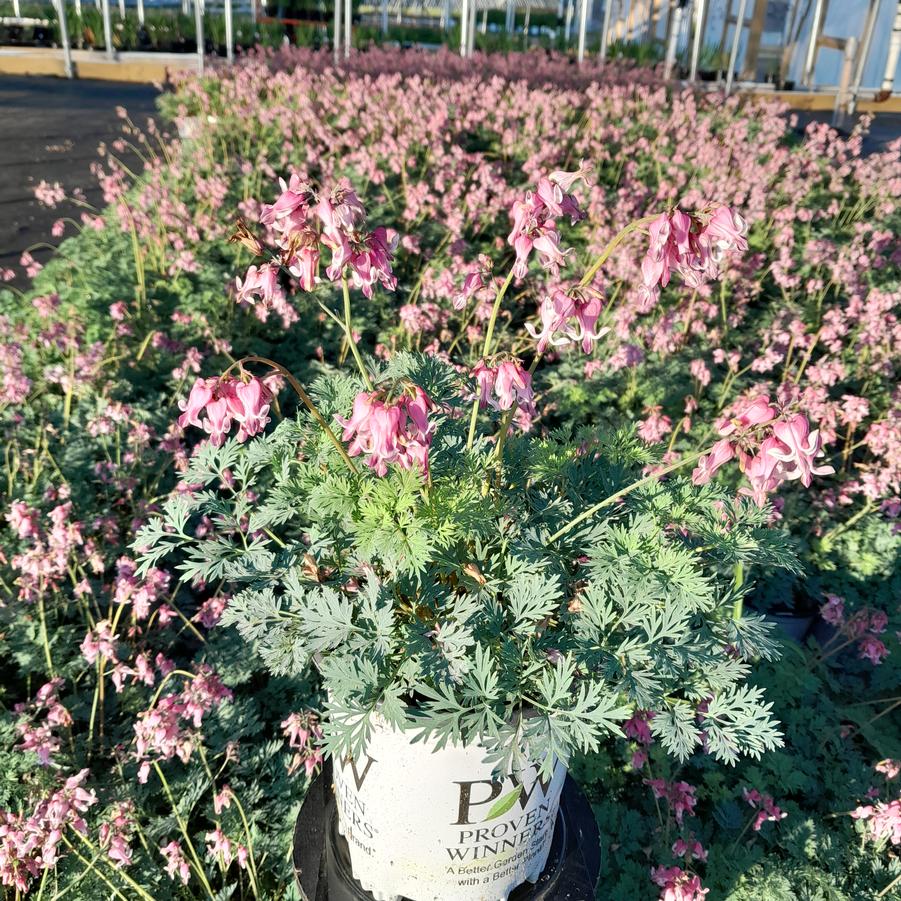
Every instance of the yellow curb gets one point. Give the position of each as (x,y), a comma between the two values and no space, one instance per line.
(31,61)
(815,101)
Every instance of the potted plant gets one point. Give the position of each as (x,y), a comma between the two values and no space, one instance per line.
(480,600)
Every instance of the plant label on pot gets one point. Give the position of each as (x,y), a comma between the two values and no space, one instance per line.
(437,825)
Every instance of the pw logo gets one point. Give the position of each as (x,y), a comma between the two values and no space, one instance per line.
(500,803)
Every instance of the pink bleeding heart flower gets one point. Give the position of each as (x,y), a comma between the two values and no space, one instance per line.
(291,207)
(558,329)
(764,472)
(249,405)
(201,394)
(513,384)
(726,230)
(478,277)
(800,449)
(341,210)
(397,432)
(721,452)
(759,411)
(260,282)
(222,401)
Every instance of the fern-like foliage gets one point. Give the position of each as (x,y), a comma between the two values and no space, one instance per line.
(448,606)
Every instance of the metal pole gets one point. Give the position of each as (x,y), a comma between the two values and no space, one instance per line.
(568,27)
(17,11)
(348,13)
(336,38)
(229,33)
(471,29)
(464,24)
(670,59)
(78,8)
(107,30)
(811,55)
(510,21)
(140,12)
(484,26)
(583,26)
(842,96)
(894,51)
(736,39)
(605,29)
(446,16)
(866,39)
(121,9)
(64,37)
(198,28)
(384,16)
(700,9)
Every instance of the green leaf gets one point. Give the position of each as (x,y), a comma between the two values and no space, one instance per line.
(503,804)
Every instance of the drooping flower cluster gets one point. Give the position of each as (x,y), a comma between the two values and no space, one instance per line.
(478,277)
(767,810)
(44,562)
(769,449)
(165,730)
(677,885)
(864,626)
(691,849)
(224,401)
(503,385)
(39,720)
(223,850)
(390,431)
(883,820)
(141,593)
(567,319)
(679,795)
(303,732)
(535,218)
(176,862)
(692,245)
(115,834)
(29,844)
(300,222)
(638,728)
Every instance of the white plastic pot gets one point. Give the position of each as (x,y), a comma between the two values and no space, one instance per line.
(434,826)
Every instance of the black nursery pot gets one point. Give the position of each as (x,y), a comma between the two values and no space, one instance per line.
(323,869)
(794,626)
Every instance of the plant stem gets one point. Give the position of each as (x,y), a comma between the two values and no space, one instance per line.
(741,834)
(198,866)
(486,349)
(842,527)
(145,896)
(889,887)
(307,402)
(90,865)
(613,498)
(738,581)
(605,253)
(44,637)
(348,331)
